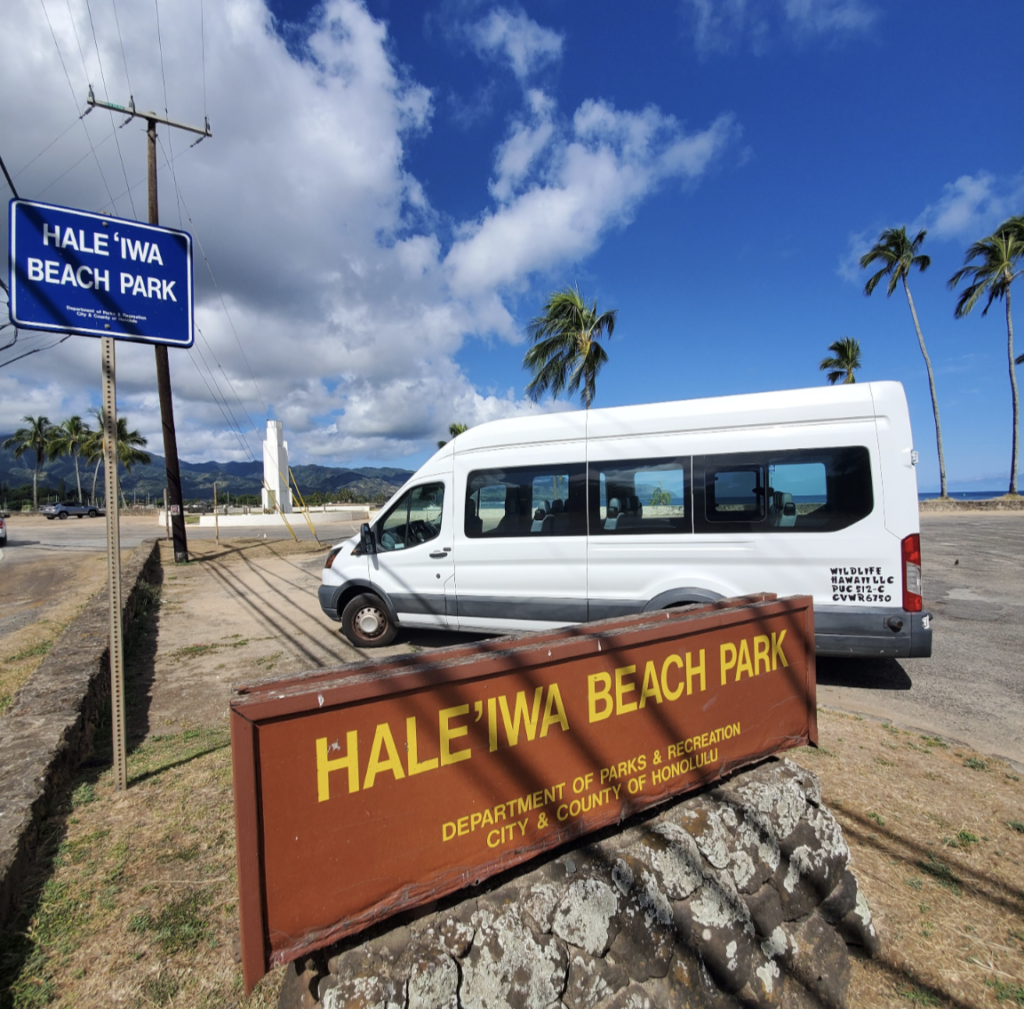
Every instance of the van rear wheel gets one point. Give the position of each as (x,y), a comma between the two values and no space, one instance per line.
(365,622)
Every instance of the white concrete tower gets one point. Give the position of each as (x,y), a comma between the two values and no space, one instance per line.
(275,469)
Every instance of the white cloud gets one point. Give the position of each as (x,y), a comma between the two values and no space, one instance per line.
(592,180)
(972,206)
(517,39)
(721,25)
(347,296)
(857,245)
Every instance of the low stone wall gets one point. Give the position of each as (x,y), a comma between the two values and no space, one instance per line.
(49,727)
(740,896)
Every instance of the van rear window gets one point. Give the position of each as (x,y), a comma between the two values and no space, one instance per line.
(526,501)
(808,490)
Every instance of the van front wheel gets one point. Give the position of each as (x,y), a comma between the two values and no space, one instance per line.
(365,622)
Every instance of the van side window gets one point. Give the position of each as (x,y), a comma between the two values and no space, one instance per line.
(639,496)
(414,519)
(734,493)
(526,501)
(804,490)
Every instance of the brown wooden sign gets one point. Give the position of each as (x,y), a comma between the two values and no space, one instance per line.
(366,790)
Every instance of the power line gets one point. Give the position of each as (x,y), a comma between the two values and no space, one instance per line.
(28,164)
(29,353)
(232,424)
(66,171)
(220,295)
(202,38)
(117,21)
(10,181)
(103,78)
(71,88)
(167,111)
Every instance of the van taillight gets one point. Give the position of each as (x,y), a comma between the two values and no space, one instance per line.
(912,601)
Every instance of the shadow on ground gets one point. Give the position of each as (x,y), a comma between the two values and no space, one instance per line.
(866,674)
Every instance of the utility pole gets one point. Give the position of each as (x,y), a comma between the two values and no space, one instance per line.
(163,371)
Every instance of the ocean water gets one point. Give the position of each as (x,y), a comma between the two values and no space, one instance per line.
(963,495)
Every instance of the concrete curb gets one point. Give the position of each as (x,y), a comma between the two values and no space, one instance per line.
(49,727)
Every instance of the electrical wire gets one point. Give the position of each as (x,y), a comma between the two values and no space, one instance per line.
(71,88)
(120,38)
(106,94)
(10,182)
(163,78)
(29,164)
(202,39)
(36,350)
(54,182)
(233,426)
(220,295)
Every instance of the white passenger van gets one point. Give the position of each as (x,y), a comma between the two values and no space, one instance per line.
(539,522)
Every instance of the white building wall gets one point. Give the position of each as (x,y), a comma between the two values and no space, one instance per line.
(275,469)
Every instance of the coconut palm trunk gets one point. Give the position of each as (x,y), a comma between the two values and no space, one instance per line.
(1013,392)
(931,386)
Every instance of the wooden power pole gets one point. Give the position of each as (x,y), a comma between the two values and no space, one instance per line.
(163,371)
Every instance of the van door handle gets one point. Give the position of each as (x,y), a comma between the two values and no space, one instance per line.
(440,554)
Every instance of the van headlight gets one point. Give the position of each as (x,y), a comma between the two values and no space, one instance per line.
(330,557)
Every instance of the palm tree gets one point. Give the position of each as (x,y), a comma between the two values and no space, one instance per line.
(898,255)
(129,448)
(454,430)
(845,362)
(1000,254)
(35,438)
(566,355)
(68,438)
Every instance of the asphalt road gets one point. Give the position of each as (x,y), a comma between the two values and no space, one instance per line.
(33,536)
(971,689)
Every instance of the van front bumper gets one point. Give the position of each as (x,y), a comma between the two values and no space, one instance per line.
(328,596)
(872,632)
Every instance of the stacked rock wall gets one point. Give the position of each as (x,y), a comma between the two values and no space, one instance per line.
(741,896)
(48,729)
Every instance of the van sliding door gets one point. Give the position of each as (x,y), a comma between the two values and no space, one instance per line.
(521,554)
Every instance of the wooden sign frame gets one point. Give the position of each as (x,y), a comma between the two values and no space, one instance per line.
(367,790)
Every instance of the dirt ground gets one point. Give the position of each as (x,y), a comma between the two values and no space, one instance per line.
(136,904)
(36,603)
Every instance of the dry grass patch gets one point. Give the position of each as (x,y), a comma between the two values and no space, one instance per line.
(138,906)
(931,831)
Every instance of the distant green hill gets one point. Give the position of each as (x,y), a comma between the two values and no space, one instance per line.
(197,479)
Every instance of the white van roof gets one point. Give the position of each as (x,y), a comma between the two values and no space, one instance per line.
(792,406)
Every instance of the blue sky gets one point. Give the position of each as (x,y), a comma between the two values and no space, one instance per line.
(392,189)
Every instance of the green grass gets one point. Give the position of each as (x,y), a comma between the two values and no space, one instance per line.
(161,752)
(975,764)
(878,819)
(918,996)
(181,926)
(942,874)
(1016,825)
(934,741)
(1007,993)
(5,703)
(915,883)
(37,650)
(962,839)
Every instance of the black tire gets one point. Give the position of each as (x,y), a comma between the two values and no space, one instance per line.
(62,515)
(93,513)
(365,622)
(49,518)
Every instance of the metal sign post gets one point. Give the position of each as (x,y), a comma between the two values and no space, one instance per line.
(117,713)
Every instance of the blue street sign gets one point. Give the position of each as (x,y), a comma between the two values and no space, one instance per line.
(85,273)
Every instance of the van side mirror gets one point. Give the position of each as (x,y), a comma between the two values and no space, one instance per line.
(366,540)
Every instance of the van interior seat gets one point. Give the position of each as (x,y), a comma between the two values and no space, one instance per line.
(612,513)
(782,512)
